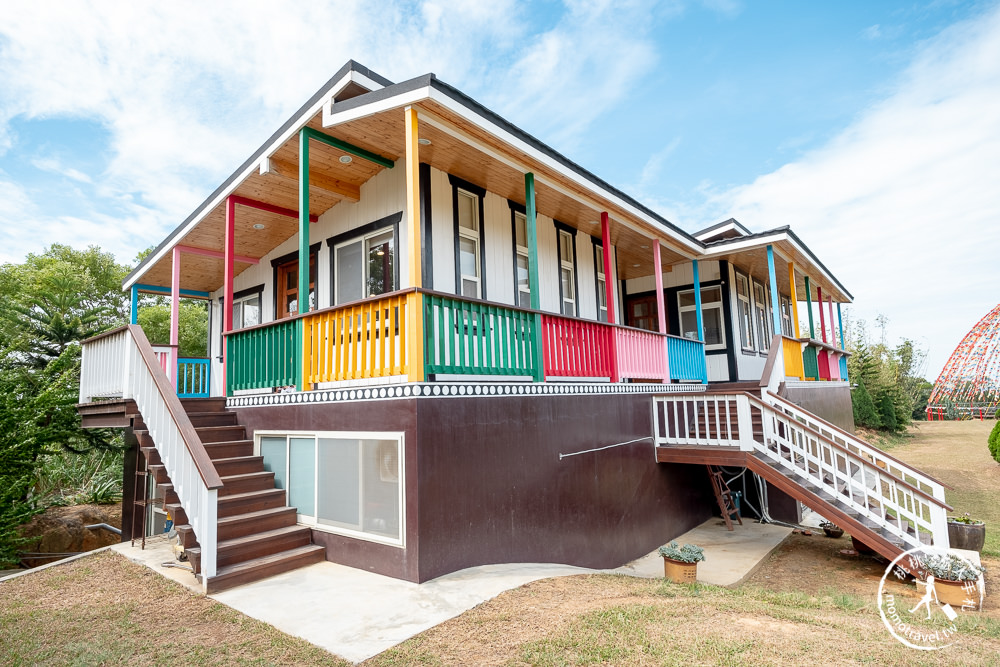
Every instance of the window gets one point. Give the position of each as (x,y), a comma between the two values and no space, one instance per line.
(786,317)
(522,286)
(567,272)
(346,483)
(602,286)
(365,266)
(642,313)
(286,282)
(246,310)
(468,244)
(760,308)
(745,311)
(711,316)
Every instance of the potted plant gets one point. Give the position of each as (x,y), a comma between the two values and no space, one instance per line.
(831,529)
(954,579)
(964,532)
(680,563)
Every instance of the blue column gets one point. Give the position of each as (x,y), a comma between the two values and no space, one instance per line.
(840,322)
(134,314)
(775,299)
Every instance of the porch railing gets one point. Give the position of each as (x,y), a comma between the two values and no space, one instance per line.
(362,340)
(641,354)
(577,348)
(122,363)
(265,356)
(809,359)
(474,338)
(687,359)
(193,375)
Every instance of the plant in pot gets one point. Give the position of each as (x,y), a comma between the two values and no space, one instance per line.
(680,562)
(964,532)
(955,579)
(831,529)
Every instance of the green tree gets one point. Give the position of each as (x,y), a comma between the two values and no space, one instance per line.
(864,409)
(887,413)
(994,442)
(192,326)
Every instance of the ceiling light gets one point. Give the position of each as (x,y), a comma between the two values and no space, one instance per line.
(258,226)
(635,266)
(644,247)
(424,142)
(346,159)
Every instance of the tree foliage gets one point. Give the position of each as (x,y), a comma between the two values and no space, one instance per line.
(994,442)
(890,378)
(192,325)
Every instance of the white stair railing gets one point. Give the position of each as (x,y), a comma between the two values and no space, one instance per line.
(121,363)
(721,420)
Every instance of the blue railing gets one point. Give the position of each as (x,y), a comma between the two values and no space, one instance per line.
(687,359)
(193,375)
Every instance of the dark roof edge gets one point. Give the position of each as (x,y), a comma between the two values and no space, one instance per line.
(324,90)
(720,225)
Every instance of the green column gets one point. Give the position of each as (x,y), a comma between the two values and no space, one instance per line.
(531,231)
(809,307)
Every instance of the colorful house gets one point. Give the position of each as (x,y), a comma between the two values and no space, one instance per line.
(435,342)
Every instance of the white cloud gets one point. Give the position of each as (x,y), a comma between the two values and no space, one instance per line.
(903,206)
(56,167)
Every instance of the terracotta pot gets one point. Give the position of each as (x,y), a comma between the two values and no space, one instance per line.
(680,572)
(955,594)
(969,536)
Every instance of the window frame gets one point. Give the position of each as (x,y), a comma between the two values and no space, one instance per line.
(600,277)
(705,305)
(746,319)
(572,264)
(786,315)
(520,251)
(458,186)
(762,310)
(312,520)
(278,264)
(361,234)
(242,295)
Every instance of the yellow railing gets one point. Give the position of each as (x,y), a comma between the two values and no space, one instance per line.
(792,350)
(362,340)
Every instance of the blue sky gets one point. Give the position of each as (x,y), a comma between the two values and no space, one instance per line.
(873,129)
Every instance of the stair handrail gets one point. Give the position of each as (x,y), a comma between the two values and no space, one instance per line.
(192,473)
(891,492)
(936,485)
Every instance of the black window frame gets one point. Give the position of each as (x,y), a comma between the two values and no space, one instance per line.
(563,227)
(480,193)
(388,221)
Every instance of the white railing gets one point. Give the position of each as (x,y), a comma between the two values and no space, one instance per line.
(721,420)
(898,498)
(135,373)
(851,473)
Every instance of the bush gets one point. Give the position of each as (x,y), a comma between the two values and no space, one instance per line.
(887,413)
(995,442)
(864,409)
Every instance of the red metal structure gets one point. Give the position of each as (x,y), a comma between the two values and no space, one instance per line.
(970,380)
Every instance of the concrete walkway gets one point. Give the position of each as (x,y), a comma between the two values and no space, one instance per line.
(356,614)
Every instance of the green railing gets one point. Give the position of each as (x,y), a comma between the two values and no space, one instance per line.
(810,364)
(269,355)
(475,338)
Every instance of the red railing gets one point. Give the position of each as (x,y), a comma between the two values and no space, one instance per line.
(577,348)
(823,359)
(641,354)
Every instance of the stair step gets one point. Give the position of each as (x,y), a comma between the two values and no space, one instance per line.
(259,545)
(202,419)
(229,449)
(177,513)
(221,433)
(188,540)
(213,404)
(159,473)
(244,524)
(242,503)
(266,566)
(239,465)
(243,483)
(152,456)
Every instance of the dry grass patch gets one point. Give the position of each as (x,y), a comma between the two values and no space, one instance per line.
(104,609)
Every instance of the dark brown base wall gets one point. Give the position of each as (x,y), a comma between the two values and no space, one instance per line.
(832,403)
(485,482)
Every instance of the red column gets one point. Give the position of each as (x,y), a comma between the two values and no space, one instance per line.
(822,319)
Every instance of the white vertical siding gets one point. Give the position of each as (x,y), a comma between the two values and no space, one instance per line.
(499,271)
(548,264)
(442,232)
(586,276)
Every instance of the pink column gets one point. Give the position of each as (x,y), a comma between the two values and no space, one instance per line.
(229,252)
(609,279)
(822,319)
(833,323)
(175,307)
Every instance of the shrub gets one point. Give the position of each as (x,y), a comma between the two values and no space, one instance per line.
(864,409)
(995,442)
(887,413)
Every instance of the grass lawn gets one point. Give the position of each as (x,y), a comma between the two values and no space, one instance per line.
(806,605)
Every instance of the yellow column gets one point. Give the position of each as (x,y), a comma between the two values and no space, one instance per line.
(794,298)
(414,302)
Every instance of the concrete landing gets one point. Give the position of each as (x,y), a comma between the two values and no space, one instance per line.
(730,557)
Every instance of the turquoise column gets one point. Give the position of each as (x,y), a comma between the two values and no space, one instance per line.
(775,299)
(134,313)
(700,324)
(840,323)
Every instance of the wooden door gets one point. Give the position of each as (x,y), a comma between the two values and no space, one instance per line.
(641,313)
(288,287)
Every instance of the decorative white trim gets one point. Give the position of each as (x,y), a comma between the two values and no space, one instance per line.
(795,383)
(457,390)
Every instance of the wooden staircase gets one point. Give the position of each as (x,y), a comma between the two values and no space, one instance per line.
(258,535)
